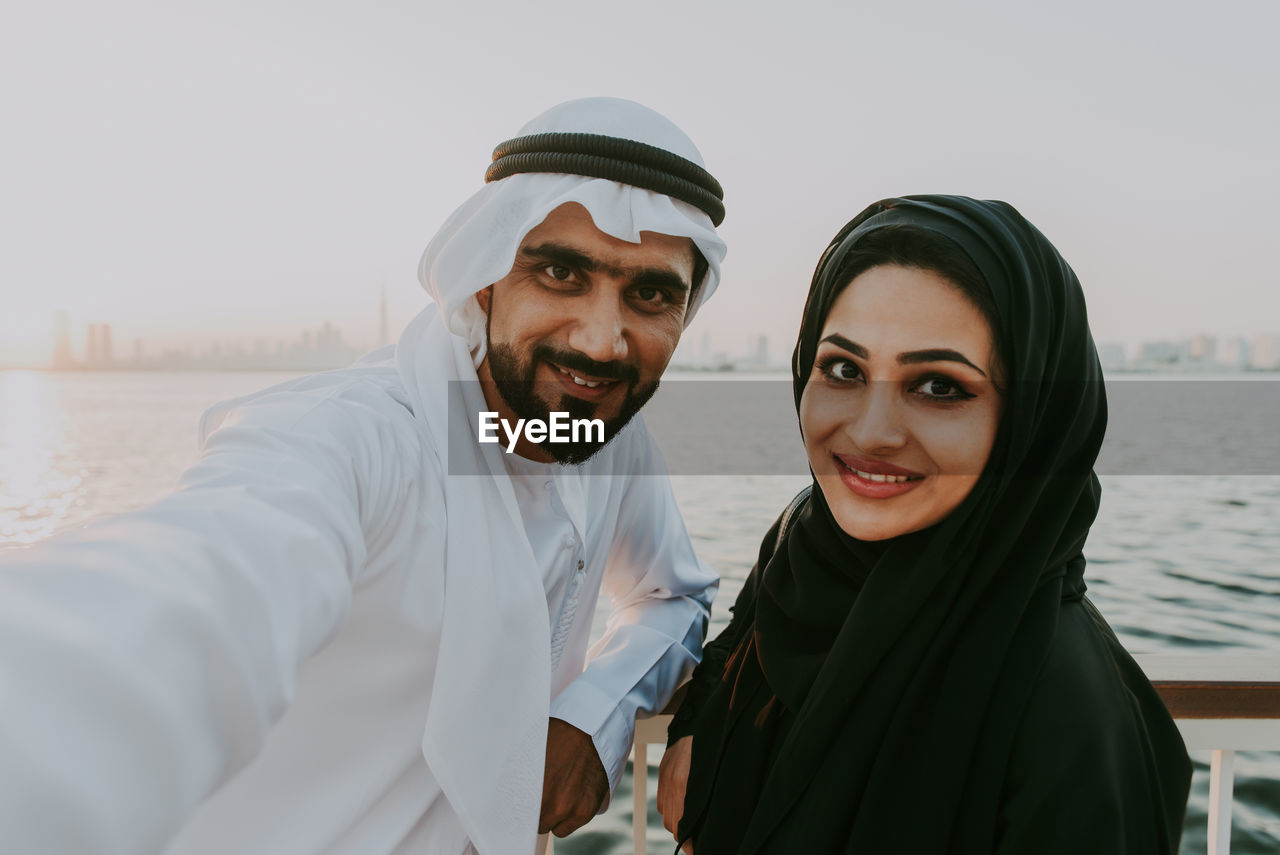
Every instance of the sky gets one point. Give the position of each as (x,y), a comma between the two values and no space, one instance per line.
(231,171)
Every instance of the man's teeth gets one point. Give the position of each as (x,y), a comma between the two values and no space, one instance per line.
(590,384)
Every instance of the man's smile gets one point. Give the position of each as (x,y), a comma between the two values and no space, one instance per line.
(583,386)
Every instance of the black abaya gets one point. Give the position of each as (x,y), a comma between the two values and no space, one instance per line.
(951,690)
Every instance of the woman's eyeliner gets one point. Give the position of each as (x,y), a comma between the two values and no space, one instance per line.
(826,367)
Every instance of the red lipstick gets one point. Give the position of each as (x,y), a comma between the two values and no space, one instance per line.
(875,479)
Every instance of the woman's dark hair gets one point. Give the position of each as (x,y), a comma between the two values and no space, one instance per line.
(924,249)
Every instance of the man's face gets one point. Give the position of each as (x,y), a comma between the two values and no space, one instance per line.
(585,324)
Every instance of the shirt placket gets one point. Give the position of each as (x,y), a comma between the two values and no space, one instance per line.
(572,553)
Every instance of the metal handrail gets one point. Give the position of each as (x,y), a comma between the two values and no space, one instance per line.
(1221,703)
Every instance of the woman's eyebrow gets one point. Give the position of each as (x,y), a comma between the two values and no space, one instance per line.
(851,346)
(910,357)
(937,354)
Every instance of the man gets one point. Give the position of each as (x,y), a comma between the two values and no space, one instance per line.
(359,626)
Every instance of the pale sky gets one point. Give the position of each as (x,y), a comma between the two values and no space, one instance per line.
(241,169)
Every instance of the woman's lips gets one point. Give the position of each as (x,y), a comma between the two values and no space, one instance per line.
(875,479)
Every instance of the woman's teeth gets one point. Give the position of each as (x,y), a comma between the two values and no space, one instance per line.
(878,477)
(889,479)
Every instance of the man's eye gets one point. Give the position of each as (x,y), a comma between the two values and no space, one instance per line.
(558,272)
(655,298)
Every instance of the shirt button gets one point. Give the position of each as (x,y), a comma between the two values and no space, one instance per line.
(546,485)
(580,564)
(569,541)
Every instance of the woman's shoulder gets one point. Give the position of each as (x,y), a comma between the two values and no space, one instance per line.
(1089,693)
(1092,709)
(1082,668)
(1094,735)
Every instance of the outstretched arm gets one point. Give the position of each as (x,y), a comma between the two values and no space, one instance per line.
(143,658)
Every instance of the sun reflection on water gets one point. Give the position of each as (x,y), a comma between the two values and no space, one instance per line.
(35,495)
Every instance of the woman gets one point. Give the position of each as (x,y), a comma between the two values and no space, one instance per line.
(912,665)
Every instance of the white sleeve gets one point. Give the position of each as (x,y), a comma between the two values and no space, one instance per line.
(662,598)
(143,658)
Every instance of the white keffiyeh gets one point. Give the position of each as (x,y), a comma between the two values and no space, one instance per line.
(486,730)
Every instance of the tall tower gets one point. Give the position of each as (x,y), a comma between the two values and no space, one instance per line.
(104,342)
(384,336)
(61,340)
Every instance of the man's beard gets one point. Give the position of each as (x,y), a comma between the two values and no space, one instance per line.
(516,385)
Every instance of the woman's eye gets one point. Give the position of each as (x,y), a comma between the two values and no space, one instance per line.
(840,369)
(940,387)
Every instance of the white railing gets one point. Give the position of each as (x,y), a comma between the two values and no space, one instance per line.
(1222,704)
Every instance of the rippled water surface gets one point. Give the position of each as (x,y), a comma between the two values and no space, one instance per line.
(1176,563)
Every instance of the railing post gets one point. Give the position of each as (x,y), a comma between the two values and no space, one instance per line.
(1221,786)
(640,796)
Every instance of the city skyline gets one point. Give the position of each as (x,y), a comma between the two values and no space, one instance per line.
(327,346)
(261,167)
(310,349)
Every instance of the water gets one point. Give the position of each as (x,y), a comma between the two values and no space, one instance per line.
(1177,563)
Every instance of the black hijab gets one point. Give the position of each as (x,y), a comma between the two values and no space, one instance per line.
(898,673)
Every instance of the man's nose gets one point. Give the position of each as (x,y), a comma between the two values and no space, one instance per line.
(600,330)
(879,425)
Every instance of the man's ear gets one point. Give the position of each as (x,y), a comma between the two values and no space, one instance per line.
(484,297)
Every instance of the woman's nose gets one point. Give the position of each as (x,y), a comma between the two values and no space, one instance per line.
(879,424)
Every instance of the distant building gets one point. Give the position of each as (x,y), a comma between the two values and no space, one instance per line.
(1235,353)
(1156,353)
(106,354)
(1204,348)
(762,351)
(62,341)
(91,347)
(1112,356)
(314,350)
(1263,353)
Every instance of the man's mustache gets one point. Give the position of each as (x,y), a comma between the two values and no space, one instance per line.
(580,362)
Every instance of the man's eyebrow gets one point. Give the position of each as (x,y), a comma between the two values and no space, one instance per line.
(568,256)
(560,254)
(661,278)
(910,357)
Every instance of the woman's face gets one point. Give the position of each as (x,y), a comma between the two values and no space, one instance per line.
(900,412)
